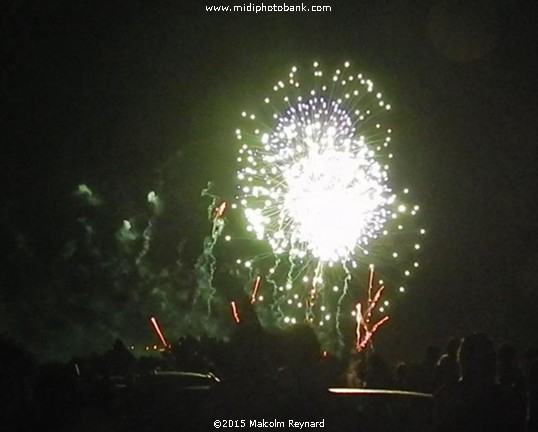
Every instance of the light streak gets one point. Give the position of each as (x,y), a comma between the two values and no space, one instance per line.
(235,314)
(158,331)
(359,320)
(255,289)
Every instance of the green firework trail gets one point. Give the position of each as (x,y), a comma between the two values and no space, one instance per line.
(339,334)
(206,263)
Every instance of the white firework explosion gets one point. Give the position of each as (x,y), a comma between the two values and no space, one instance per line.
(314,184)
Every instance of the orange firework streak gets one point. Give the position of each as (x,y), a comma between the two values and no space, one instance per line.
(234,312)
(220,209)
(153,321)
(255,289)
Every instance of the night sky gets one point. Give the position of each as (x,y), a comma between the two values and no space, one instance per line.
(130,97)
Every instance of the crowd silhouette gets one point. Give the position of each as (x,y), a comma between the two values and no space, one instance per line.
(475,386)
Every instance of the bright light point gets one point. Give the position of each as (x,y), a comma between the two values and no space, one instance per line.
(386,302)
(127,224)
(322,308)
(406,191)
(293,321)
(346,64)
(227,238)
(417,246)
(248,264)
(305,279)
(401,208)
(327,317)
(260,298)
(422,231)
(335,288)
(287,320)
(402,289)
(395,255)
(381,309)
(415,264)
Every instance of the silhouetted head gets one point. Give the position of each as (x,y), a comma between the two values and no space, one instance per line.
(402,371)
(452,347)
(477,359)
(431,356)
(447,370)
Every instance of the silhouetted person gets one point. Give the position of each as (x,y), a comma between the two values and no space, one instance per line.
(448,368)
(531,360)
(477,402)
(377,374)
(452,347)
(401,376)
(511,378)
(422,375)
(448,372)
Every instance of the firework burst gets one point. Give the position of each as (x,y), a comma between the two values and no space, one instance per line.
(314,186)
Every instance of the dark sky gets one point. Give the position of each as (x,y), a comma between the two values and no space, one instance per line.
(123,96)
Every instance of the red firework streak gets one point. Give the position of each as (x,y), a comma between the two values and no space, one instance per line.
(255,288)
(235,315)
(363,320)
(157,329)
(220,209)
